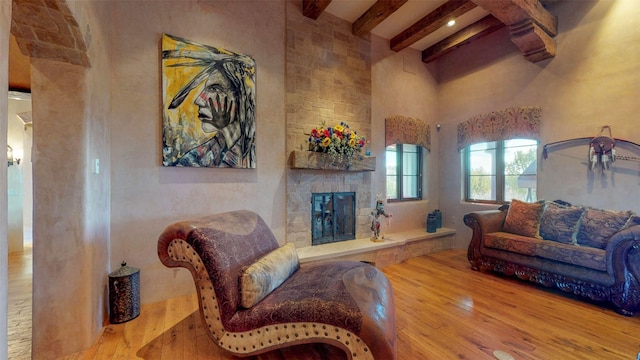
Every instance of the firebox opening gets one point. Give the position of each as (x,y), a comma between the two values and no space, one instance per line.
(333,217)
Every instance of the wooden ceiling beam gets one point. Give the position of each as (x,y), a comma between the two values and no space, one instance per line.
(482,27)
(534,43)
(375,15)
(313,8)
(430,23)
(511,12)
(531,26)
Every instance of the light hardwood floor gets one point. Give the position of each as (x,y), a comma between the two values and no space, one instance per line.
(19,304)
(443,311)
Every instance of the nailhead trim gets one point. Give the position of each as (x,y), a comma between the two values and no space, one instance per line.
(273,336)
(180,250)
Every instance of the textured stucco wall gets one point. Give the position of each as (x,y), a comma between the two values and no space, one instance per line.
(93,17)
(404,85)
(71,211)
(60,269)
(593,81)
(146,197)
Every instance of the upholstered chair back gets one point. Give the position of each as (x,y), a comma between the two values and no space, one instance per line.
(233,240)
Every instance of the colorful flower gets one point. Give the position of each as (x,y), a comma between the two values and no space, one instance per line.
(339,141)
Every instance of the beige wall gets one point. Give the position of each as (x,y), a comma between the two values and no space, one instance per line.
(403,85)
(593,81)
(93,18)
(146,197)
(58,242)
(5,25)
(71,232)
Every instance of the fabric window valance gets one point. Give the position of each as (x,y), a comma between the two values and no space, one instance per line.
(406,130)
(511,123)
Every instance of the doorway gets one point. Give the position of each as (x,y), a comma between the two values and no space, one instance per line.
(19,171)
(20,224)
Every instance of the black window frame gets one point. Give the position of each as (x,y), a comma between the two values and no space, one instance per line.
(499,173)
(400,174)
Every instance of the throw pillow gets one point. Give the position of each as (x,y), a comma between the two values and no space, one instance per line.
(634,220)
(262,277)
(597,226)
(524,218)
(560,223)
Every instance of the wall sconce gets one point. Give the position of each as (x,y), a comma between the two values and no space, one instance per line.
(10,159)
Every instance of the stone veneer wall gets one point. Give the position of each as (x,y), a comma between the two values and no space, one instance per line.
(49,30)
(328,73)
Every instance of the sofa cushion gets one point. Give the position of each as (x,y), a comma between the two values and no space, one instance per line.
(597,226)
(512,242)
(590,257)
(524,218)
(315,293)
(262,277)
(560,223)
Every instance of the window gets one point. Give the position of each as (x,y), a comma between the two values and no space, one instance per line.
(499,171)
(404,172)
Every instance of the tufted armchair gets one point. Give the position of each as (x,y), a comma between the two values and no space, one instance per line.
(255,297)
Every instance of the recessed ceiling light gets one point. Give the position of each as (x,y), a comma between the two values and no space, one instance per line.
(450,23)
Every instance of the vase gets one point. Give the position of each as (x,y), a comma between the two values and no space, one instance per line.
(431,223)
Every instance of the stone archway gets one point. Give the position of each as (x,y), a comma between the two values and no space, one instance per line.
(48,30)
(48,33)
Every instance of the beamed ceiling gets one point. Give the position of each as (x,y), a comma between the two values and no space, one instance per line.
(418,24)
(421,24)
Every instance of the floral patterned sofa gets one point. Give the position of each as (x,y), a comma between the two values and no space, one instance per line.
(255,296)
(589,252)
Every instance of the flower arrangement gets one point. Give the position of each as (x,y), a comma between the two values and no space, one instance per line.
(339,142)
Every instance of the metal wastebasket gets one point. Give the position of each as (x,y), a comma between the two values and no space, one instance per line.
(124,294)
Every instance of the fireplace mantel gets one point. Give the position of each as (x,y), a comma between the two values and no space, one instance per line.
(300,159)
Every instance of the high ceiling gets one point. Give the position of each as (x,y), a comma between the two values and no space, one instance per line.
(422,24)
(408,14)
(418,24)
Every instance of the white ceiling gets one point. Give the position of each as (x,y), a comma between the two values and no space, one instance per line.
(407,15)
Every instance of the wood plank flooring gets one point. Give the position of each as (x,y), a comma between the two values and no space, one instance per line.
(443,311)
(19,304)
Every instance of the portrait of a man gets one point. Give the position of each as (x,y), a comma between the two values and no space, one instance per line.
(208,106)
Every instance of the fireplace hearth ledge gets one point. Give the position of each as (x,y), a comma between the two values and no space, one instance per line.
(395,248)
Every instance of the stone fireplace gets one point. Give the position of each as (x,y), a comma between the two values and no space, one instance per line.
(333,217)
(328,81)
(303,183)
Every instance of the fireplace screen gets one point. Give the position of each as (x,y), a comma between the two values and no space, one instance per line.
(333,217)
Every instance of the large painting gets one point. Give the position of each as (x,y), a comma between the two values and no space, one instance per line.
(208,106)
